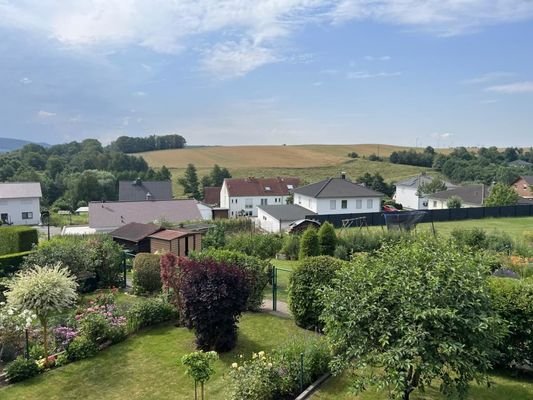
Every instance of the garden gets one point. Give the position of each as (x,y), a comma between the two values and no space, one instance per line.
(389,315)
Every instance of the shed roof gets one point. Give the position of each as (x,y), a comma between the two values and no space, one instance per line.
(138,190)
(336,187)
(18,190)
(286,212)
(260,186)
(170,234)
(135,231)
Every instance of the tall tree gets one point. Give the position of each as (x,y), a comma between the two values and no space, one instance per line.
(327,239)
(190,182)
(501,195)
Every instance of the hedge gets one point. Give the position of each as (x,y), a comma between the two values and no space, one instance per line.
(16,239)
(146,273)
(10,263)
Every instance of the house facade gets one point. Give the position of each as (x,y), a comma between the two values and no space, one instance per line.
(20,203)
(407,193)
(242,197)
(276,219)
(470,195)
(524,186)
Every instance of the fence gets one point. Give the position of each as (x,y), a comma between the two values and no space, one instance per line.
(451,214)
(280,285)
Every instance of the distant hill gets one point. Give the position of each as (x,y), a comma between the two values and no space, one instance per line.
(8,144)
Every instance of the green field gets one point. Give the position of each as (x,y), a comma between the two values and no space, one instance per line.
(146,366)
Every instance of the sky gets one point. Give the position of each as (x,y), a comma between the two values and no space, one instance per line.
(407,72)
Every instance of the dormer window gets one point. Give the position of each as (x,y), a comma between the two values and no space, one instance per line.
(267,188)
(290,187)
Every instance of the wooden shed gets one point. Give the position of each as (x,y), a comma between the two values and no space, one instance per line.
(134,236)
(179,242)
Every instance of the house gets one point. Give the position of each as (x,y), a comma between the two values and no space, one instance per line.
(470,195)
(302,225)
(524,186)
(241,197)
(180,242)
(327,197)
(20,203)
(139,190)
(278,218)
(134,236)
(212,195)
(408,195)
(108,216)
(338,196)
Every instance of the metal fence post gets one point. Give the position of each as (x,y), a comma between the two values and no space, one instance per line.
(301,372)
(274,288)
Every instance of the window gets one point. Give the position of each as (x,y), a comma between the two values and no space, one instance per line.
(369,203)
(299,199)
(27,215)
(434,203)
(333,204)
(344,204)
(248,203)
(359,203)
(264,202)
(267,188)
(290,187)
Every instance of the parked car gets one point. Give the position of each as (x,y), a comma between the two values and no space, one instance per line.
(389,208)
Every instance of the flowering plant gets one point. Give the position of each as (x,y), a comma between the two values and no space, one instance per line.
(64,335)
(253,379)
(12,324)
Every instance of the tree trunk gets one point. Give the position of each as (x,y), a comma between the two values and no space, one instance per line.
(44,323)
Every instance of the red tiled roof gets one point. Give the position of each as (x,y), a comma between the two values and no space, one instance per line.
(261,186)
(170,234)
(212,194)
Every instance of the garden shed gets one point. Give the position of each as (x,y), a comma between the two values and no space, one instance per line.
(135,236)
(179,242)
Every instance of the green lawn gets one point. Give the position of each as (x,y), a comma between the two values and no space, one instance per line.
(146,366)
(283,279)
(503,388)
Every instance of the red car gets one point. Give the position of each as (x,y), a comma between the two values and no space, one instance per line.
(388,208)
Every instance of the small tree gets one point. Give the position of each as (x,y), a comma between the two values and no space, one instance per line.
(199,368)
(454,202)
(436,185)
(190,182)
(43,290)
(327,239)
(417,311)
(501,195)
(309,245)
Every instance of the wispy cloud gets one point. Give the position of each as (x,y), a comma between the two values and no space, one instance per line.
(441,135)
(488,77)
(139,93)
(45,114)
(377,58)
(25,80)
(512,88)
(371,75)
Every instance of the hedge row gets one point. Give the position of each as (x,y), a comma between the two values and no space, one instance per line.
(10,263)
(16,239)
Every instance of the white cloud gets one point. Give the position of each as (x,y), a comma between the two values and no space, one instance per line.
(45,114)
(25,80)
(488,77)
(511,88)
(139,93)
(444,135)
(370,75)
(377,58)
(318,83)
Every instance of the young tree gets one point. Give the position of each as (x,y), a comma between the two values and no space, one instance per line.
(418,310)
(454,202)
(309,245)
(327,239)
(45,291)
(190,182)
(199,368)
(501,195)
(436,185)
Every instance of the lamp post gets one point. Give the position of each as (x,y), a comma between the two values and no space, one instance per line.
(45,219)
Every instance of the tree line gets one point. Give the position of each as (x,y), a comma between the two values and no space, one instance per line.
(192,187)
(127,144)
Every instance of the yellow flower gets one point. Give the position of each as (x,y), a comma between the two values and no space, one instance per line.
(234,365)
(269,365)
(254,355)
(261,354)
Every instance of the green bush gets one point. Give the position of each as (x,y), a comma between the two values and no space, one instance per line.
(309,245)
(21,369)
(361,241)
(513,301)
(291,246)
(16,239)
(10,263)
(146,273)
(81,347)
(258,271)
(327,239)
(148,313)
(311,275)
(264,246)
(95,327)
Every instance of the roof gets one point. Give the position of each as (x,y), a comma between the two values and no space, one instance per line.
(135,231)
(82,210)
(520,163)
(287,212)
(170,234)
(77,230)
(336,187)
(18,190)
(260,186)
(114,214)
(527,178)
(144,190)
(470,194)
(212,194)
(416,181)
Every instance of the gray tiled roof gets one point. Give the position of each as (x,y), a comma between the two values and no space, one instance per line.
(336,187)
(16,190)
(138,190)
(470,194)
(287,212)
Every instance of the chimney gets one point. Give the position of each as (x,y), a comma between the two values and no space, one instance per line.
(343,175)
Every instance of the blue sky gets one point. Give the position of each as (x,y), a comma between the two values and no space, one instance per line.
(426,72)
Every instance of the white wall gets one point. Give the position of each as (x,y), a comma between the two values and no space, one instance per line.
(207,212)
(436,204)
(15,207)
(354,205)
(238,204)
(408,198)
(270,224)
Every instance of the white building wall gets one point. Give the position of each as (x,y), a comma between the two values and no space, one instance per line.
(407,197)
(334,205)
(249,204)
(207,212)
(15,207)
(436,204)
(224,196)
(270,224)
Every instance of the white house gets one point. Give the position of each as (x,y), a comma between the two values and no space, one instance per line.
(277,219)
(241,197)
(20,203)
(470,195)
(407,193)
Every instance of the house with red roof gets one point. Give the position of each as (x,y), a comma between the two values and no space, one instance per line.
(242,196)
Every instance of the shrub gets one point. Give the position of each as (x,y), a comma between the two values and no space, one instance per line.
(95,327)
(327,239)
(309,245)
(106,256)
(499,242)
(454,202)
(257,271)
(148,313)
(215,237)
(213,295)
(16,239)
(359,241)
(21,369)
(264,246)
(146,273)
(341,252)
(81,347)
(475,237)
(10,263)
(513,301)
(312,275)
(291,246)
(255,379)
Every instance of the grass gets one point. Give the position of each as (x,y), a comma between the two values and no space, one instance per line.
(283,279)
(72,219)
(146,366)
(503,387)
